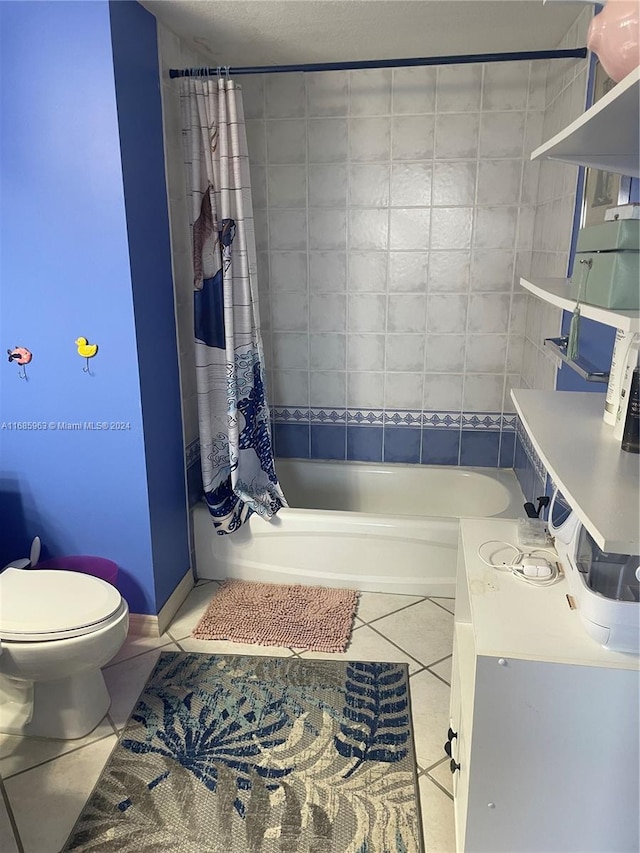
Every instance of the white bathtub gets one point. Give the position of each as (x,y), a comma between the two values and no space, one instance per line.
(378,528)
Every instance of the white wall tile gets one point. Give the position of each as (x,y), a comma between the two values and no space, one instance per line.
(492,269)
(406,312)
(327,140)
(412,137)
(365,390)
(449,271)
(456,136)
(327,93)
(409,229)
(286,141)
(370,92)
(459,88)
(486,353)
(405,353)
(454,182)
(252,87)
(327,312)
(327,352)
(483,392)
(499,181)
(366,312)
(451,227)
(443,392)
(496,227)
(291,351)
(446,313)
(290,387)
(289,271)
(327,185)
(365,352)
(327,271)
(327,229)
(328,388)
(445,353)
(488,312)
(257,141)
(411,184)
(403,390)
(502,134)
(414,90)
(369,185)
(285,95)
(369,138)
(506,86)
(368,229)
(289,312)
(368,271)
(408,271)
(288,229)
(287,186)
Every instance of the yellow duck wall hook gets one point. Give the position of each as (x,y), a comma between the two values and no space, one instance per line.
(86,350)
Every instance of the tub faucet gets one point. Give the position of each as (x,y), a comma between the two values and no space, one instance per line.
(530,509)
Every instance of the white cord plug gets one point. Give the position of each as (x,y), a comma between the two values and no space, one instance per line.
(525,565)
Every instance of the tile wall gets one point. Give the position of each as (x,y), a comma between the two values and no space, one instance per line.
(394,211)
(565,99)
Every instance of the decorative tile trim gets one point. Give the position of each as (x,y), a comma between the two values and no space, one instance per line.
(327,416)
(290,415)
(481,421)
(402,418)
(477,421)
(365,417)
(529,449)
(192,453)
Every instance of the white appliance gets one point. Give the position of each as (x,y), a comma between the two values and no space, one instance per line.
(605,587)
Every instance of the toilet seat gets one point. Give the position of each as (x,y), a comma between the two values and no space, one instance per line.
(52,604)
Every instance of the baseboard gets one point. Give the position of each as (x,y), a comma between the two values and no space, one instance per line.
(175,601)
(143,625)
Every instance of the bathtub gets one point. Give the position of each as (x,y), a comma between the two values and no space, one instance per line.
(376,528)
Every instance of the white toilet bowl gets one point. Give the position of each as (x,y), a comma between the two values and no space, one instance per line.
(57,629)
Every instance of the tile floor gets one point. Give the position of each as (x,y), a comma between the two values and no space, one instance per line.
(44,783)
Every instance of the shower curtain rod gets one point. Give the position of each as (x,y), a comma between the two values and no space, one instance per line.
(226,70)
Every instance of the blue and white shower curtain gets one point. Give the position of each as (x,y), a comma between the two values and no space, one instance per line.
(235,438)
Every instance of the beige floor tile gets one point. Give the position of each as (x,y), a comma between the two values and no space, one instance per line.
(442,774)
(7,838)
(137,645)
(47,800)
(222,647)
(424,630)
(192,610)
(20,753)
(437,818)
(448,603)
(373,605)
(367,644)
(443,669)
(430,712)
(126,680)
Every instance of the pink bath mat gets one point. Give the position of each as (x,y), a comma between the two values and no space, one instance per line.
(313,618)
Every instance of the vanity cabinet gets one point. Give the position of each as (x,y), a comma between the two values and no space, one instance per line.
(544,722)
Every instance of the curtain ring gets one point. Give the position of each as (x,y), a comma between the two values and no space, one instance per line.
(226,71)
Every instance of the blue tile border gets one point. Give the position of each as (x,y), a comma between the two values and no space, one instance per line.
(402,444)
(292,440)
(440,447)
(328,441)
(364,443)
(479,448)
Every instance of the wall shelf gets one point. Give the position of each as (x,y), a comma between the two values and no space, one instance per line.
(582,367)
(606,136)
(600,481)
(556,291)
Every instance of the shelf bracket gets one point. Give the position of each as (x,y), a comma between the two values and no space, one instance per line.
(582,367)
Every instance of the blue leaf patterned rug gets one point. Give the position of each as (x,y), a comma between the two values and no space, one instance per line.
(238,754)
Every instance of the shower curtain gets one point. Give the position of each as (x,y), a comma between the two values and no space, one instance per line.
(238,470)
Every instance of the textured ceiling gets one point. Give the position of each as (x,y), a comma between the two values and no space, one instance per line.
(268,32)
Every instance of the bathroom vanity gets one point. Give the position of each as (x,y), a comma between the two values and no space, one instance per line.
(544,735)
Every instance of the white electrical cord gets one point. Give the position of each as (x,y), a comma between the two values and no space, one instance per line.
(516,564)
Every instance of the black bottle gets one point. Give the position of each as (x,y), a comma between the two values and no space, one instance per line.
(631,434)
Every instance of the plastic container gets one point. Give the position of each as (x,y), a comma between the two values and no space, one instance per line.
(106,570)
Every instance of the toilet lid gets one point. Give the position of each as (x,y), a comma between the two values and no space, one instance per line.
(39,604)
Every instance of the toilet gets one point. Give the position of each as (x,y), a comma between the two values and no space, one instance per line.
(57,629)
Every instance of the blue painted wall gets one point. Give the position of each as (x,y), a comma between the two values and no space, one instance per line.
(67,270)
